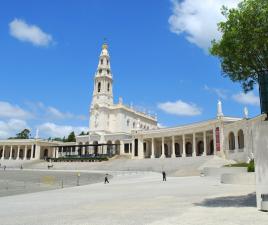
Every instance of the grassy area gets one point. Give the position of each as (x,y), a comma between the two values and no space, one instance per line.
(237,165)
(250,165)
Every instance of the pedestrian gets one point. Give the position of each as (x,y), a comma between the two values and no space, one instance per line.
(21,167)
(5,167)
(106,179)
(164,176)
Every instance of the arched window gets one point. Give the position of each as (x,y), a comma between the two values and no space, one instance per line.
(200,148)
(107,62)
(117,147)
(177,150)
(128,123)
(108,71)
(99,86)
(101,61)
(166,149)
(96,147)
(134,124)
(108,87)
(189,149)
(240,136)
(45,153)
(231,141)
(211,148)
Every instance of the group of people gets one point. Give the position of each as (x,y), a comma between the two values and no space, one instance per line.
(106,180)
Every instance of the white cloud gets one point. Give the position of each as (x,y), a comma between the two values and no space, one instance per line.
(221,93)
(247,99)
(198,19)
(57,114)
(41,111)
(54,130)
(29,33)
(180,108)
(160,125)
(8,110)
(11,127)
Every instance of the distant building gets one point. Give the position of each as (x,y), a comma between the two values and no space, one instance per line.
(136,134)
(112,123)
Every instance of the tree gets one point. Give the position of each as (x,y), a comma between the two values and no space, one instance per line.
(71,137)
(243,48)
(82,133)
(24,134)
(57,139)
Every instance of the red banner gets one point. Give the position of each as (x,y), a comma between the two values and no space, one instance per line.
(218,142)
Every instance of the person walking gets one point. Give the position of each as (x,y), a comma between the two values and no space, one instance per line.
(106,179)
(164,176)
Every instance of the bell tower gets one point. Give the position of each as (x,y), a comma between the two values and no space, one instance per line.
(103,81)
(102,98)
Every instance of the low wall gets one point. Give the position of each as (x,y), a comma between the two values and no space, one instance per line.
(240,178)
(217,172)
(239,156)
(261,159)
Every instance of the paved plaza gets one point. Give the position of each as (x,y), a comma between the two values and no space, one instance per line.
(137,199)
(14,181)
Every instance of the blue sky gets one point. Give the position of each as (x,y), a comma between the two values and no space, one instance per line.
(159,58)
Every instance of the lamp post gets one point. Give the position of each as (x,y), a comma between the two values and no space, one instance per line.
(78,178)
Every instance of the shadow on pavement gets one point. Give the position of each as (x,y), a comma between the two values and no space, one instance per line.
(230,201)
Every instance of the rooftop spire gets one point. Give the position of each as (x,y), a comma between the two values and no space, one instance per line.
(219,110)
(104,51)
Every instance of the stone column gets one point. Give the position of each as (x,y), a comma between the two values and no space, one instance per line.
(140,149)
(173,155)
(236,142)
(25,153)
(205,143)
(37,152)
(163,148)
(32,152)
(56,152)
(183,146)
(194,146)
(10,153)
(122,148)
(18,153)
(3,154)
(133,149)
(152,148)
(83,149)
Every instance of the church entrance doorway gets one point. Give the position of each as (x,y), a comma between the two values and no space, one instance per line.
(189,149)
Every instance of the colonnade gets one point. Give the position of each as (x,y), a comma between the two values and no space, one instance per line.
(93,148)
(193,144)
(16,152)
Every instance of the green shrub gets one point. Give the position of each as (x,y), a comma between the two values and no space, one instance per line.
(77,159)
(251,166)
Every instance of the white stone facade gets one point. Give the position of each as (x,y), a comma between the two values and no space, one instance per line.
(27,149)
(112,123)
(136,134)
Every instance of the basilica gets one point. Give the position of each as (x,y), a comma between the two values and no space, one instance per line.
(134,134)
